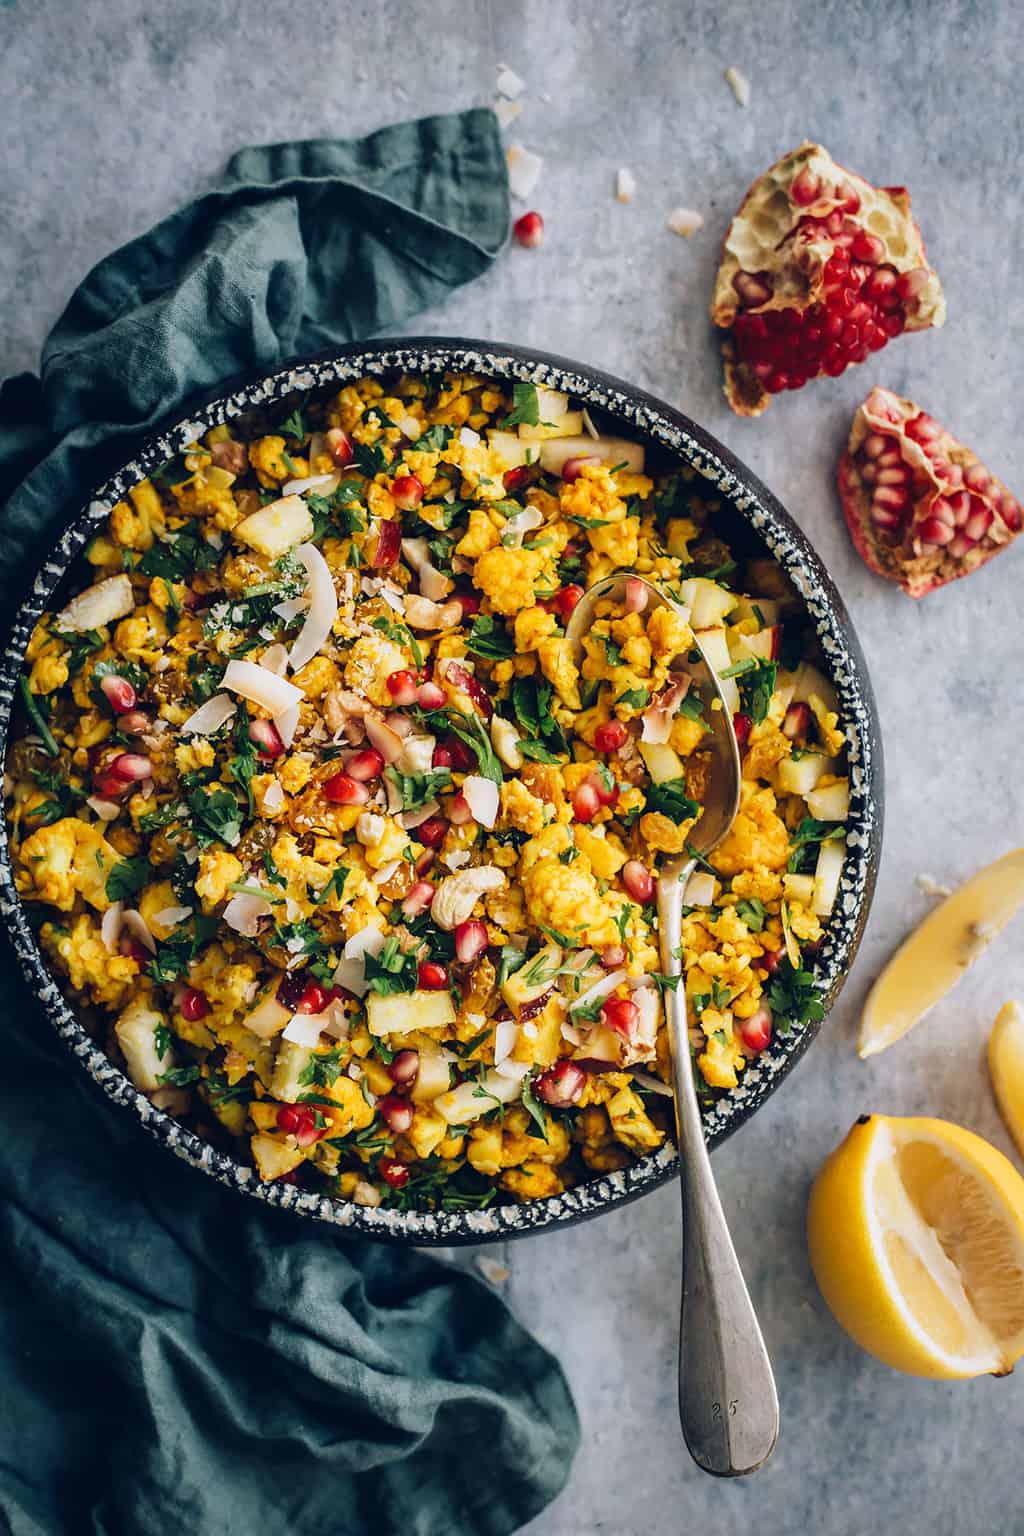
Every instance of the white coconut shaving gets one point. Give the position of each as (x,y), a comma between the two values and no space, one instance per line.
(509,84)
(739,85)
(524,170)
(684,221)
(929,887)
(625,184)
(506,112)
(493,1272)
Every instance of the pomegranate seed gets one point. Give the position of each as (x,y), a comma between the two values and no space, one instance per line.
(459,812)
(462,756)
(109,787)
(867,247)
(423,864)
(401,686)
(404,1068)
(515,479)
(389,543)
(459,677)
(340,447)
(605,786)
(979,522)
(309,1132)
(892,325)
(130,767)
(407,492)
(895,497)
(741,725)
(610,736)
(621,1015)
(529,230)
(431,976)
(797,721)
(432,832)
(574,467)
(418,898)
(753,289)
(922,428)
(393,1172)
(469,602)
(289,1119)
(771,960)
(612,956)
(395,1112)
(441,756)
(134,951)
(470,940)
(430,697)
(977,477)
(585,801)
(910,284)
(804,187)
(565,600)
(561,1085)
(636,595)
(264,734)
(365,765)
(134,723)
(851,200)
(344,790)
(756,1032)
(119,693)
(934,532)
(639,881)
(314,999)
(193,1004)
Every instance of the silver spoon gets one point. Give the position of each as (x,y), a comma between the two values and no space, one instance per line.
(728,1405)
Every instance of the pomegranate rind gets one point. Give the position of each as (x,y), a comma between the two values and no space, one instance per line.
(759,239)
(902,556)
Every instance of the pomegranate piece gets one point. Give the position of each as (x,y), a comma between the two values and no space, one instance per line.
(921,507)
(819,269)
(756,1032)
(340,447)
(389,542)
(430,697)
(432,832)
(432,976)
(470,940)
(407,492)
(393,1172)
(396,1113)
(265,737)
(639,882)
(742,725)
(342,789)
(402,686)
(193,1004)
(565,600)
(610,736)
(561,1085)
(119,693)
(404,1068)
(529,230)
(365,765)
(622,1016)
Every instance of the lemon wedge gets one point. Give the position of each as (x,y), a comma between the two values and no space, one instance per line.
(932,960)
(1006,1068)
(916,1237)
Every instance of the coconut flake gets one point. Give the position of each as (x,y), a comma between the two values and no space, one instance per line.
(209,717)
(660,713)
(304,1029)
(925,884)
(684,221)
(506,1033)
(393,599)
(351,971)
(261,686)
(468,438)
(134,923)
(506,112)
(625,185)
(739,85)
(524,170)
(275,659)
(290,609)
(323,606)
(654,1084)
(700,889)
(515,1070)
(483,798)
(519,525)
(110,926)
(410,427)
(508,83)
(409,820)
(273,796)
(387,872)
(286,724)
(106,810)
(600,989)
(432,582)
(588,425)
(320,485)
(243,913)
(170,917)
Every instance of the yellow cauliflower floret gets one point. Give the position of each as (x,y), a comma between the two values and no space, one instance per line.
(669,633)
(294,773)
(533,1181)
(195,753)
(548,844)
(604,851)
(521,809)
(532,626)
(49,672)
(316,677)
(631,1123)
(507,577)
(566,898)
(427,1131)
(484,1150)
(757,881)
(758,835)
(481,535)
(156,898)
(91,968)
(142,636)
(218,871)
(686,735)
(265,458)
(521,1140)
(261,784)
(764,752)
(721,1059)
(64,860)
(391,846)
(352,1112)
(371,661)
(803,922)
(559,667)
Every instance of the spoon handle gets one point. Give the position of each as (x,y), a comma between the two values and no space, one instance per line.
(728,1405)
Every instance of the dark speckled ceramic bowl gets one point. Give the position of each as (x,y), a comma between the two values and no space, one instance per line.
(635,413)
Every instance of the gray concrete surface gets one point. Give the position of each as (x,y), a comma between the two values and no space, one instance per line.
(114,113)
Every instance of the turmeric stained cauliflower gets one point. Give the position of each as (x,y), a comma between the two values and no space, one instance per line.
(361,936)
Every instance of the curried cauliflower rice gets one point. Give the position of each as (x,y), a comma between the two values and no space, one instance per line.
(343,856)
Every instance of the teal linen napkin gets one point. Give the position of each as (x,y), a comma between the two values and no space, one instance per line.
(176,1357)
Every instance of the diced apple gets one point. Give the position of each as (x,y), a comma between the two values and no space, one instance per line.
(799,888)
(274,1157)
(289,1065)
(714,644)
(400,1012)
(433,1078)
(268,1018)
(811,683)
(826,876)
(512,450)
(799,775)
(763,610)
(548,430)
(102,604)
(277,527)
(136,1029)
(831,802)
(470,1100)
(552,404)
(556,452)
(785,686)
(533,979)
(764,646)
(601,1045)
(663,763)
(707,601)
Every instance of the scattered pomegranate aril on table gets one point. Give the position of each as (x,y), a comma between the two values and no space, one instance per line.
(921,507)
(819,269)
(529,230)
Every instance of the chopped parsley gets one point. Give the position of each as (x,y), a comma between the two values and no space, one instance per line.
(525,406)
(174,956)
(392,970)
(177,556)
(794,998)
(323,1067)
(752,912)
(417,788)
(295,427)
(179,1077)
(126,879)
(635,698)
(671,799)
(435,439)
(809,833)
(34,710)
(369,459)
(218,817)
(490,639)
(533,1109)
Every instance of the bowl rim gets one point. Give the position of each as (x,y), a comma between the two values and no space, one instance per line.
(639,412)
